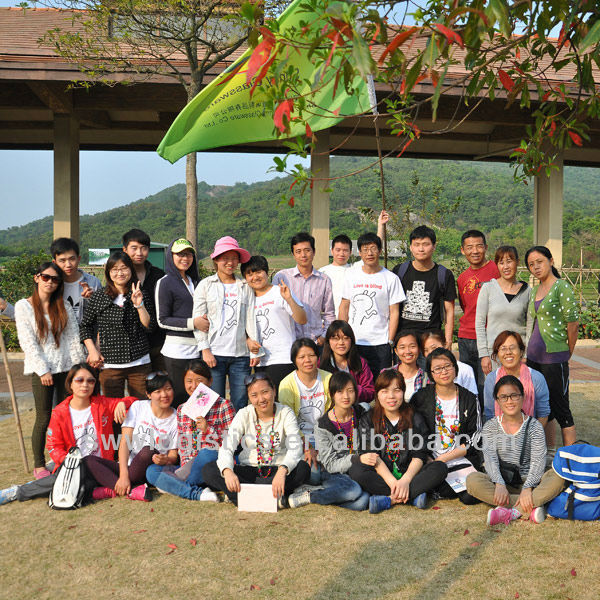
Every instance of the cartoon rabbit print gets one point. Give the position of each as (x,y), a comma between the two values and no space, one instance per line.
(363,307)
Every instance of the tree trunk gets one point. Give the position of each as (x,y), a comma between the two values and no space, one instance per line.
(191,200)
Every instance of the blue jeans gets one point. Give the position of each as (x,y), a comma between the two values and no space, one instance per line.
(164,479)
(203,457)
(341,490)
(237,367)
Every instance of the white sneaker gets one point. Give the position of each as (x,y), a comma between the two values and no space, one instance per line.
(9,494)
(208,495)
(299,498)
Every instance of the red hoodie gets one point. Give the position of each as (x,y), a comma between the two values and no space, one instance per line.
(60,431)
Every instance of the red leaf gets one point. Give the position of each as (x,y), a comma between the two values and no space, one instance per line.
(309,131)
(169,552)
(193,541)
(71,526)
(255,587)
(516,65)
(336,112)
(552,128)
(408,143)
(291,201)
(546,95)
(397,41)
(342,27)
(576,138)
(262,73)
(272,582)
(466,532)
(140,531)
(573,572)
(475,544)
(259,57)
(172,546)
(151,510)
(506,80)
(450,35)
(435,78)
(517,595)
(521,150)
(283,109)
(436,508)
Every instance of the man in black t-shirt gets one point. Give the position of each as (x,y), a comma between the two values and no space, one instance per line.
(430,288)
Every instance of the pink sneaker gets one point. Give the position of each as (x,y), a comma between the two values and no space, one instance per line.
(537,515)
(141,492)
(500,514)
(101,493)
(41,472)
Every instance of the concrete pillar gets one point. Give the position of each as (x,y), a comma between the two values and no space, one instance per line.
(66,176)
(319,199)
(548,212)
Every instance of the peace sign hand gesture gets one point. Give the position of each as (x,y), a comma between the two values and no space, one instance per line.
(136,295)
(285,292)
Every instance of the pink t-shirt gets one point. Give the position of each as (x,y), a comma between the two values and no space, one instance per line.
(469,283)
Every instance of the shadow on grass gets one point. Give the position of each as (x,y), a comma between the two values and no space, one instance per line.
(409,567)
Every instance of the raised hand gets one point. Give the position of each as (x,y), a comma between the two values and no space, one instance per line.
(136,295)
(285,292)
(86,290)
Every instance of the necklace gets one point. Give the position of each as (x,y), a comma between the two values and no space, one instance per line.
(350,438)
(392,455)
(443,430)
(262,460)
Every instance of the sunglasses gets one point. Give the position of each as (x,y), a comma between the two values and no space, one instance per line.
(255,377)
(46,278)
(154,374)
(88,380)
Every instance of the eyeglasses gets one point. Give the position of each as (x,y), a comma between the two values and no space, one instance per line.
(260,376)
(154,374)
(120,271)
(505,397)
(340,338)
(505,349)
(45,277)
(88,380)
(442,369)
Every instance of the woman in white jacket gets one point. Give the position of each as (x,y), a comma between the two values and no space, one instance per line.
(49,337)
(225,323)
(272,446)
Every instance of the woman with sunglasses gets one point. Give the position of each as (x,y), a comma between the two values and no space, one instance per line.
(340,354)
(514,448)
(120,315)
(198,441)
(508,349)
(271,446)
(48,335)
(84,419)
(453,420)
(149,436)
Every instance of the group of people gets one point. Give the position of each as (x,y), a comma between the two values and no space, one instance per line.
(342,385)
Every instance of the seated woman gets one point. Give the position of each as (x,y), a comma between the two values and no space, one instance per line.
(306,392)
(514,447)
(198,442)
(452,417)
(465,377)
(392,466)
(340,354)
(406,348)
(271,446)
(149,435)
(509,349)
(335,441)
(83,419)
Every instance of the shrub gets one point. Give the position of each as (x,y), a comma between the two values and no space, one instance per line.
(589,322)
(16,279)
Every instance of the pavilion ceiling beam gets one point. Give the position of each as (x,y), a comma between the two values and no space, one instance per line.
(55,96)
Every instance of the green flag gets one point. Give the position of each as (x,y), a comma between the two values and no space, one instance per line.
(224,114)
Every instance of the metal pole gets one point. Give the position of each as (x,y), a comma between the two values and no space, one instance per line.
(13,399)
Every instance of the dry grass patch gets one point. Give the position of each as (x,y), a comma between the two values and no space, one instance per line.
(119,548)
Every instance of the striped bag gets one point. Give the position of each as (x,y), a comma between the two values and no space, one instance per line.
(579,464)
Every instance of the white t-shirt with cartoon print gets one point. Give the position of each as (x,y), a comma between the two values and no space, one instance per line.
(225,342)
(276,327)
(312,405)
(84,431)
(371,295)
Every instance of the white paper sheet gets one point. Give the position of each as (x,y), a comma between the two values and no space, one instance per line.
(254,497)
(456,479)
(200,402)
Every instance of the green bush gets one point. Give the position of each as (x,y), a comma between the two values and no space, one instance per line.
(16,279)
(589,322)
(9,331)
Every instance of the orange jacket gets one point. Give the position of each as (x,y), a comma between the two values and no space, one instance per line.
(60,431)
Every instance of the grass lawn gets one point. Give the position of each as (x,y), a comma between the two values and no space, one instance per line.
(119,548)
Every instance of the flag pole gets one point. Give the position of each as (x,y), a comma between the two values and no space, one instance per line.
(373,101)
(13,399)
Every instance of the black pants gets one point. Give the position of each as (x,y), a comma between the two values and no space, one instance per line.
(247,474)
(176,368)
(106,472)
(276,373)
(41,488)
(427,479)
(557,378)
(377,357)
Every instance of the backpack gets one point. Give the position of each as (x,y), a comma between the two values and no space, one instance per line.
(580,465)
(401,270)
(69,488)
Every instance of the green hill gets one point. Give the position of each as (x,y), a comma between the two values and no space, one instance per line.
(256,216)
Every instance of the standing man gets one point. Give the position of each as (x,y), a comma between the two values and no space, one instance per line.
(430,288)
(371,305)
(136,244)
(473,247)
(341,248)
(79,286)
(311,287)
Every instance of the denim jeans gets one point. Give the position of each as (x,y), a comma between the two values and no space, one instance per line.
(468,353)
(204,456)
(341,490)
(237,367)
(165,479)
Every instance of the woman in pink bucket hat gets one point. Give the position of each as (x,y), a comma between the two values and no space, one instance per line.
(228,303)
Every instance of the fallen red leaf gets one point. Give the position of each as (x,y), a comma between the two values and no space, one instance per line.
(497,530)
(436,508)
(172,546)
(140,531)
(517,595)
(272,582)
(255,587)
(72,526)
(169,552)
(193,541)
(151,510)
(573,572)
(475,544)
(466,532)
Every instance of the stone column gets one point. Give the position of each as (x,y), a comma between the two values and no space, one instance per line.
(319,199)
